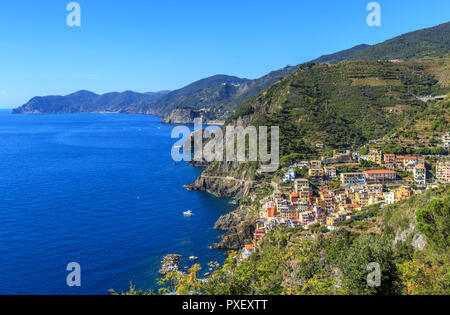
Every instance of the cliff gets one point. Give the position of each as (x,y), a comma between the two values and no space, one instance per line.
(230,180)
(181,116)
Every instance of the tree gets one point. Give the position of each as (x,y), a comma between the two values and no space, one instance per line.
(434,222)
(355,261)
(419,279)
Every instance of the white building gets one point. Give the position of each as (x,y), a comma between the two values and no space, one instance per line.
(420,175)
(389,198)
(290,176)
(446,140)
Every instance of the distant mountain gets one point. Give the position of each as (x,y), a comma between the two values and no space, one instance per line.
(430,42)
(88,102)
(213,98)
(217,97)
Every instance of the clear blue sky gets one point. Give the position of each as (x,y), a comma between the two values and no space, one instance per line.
(147,45)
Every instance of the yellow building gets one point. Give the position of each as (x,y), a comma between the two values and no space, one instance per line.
(362,198)
(301,183)
(443,171)
(315,164)
(304,195)
(403,193)
(376,156)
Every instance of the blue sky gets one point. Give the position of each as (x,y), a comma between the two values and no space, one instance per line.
(147,45)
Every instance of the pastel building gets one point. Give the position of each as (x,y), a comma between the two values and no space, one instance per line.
(390,161)
(420,175)
(389,198)
(380,176)
(443,171)
(330,172)
(353,178)
(375,156)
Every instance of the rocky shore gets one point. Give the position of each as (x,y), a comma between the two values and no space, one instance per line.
(225,181)
(170,263)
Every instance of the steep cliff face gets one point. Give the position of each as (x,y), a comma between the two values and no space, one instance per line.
(181,116)
(224,179)
(240,227)
(230,180)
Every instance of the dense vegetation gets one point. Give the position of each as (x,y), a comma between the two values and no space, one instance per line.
(431,42)
(340,106)
(341,55)
(218,96)
(422,134)
(320,262)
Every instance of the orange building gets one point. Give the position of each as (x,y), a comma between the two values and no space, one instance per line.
(390,160)
(403,193)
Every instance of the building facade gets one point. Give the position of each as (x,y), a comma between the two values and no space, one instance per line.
(380,176)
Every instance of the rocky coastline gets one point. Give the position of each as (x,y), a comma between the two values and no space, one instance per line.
(170,264)
(225,181)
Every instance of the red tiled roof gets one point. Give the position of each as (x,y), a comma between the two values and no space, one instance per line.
(380,172)
(250,247)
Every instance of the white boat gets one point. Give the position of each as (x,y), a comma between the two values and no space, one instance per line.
(188,213)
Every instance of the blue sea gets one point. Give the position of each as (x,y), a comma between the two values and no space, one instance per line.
(100,190)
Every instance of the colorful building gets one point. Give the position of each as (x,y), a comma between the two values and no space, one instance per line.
(403,193)
(301,183)
(443,171)
(390,161)
(420,175)
(407,163)
(446,140)
(330,172)
(353,178)
(380,176)
(316,173)
(376,156)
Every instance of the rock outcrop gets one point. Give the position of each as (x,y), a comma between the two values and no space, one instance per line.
(240,229)
(170,264)
(230,180)
(181,116)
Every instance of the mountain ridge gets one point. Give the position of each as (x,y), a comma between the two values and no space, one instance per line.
(218,97)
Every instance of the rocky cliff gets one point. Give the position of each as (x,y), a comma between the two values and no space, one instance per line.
(240,227)
(230,180)
(181,116)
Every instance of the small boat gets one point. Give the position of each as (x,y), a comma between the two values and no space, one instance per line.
(188,213)
(193,258)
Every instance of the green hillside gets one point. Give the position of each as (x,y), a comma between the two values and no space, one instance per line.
(213,98)
(426,43)
(340,106)
(431,42)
